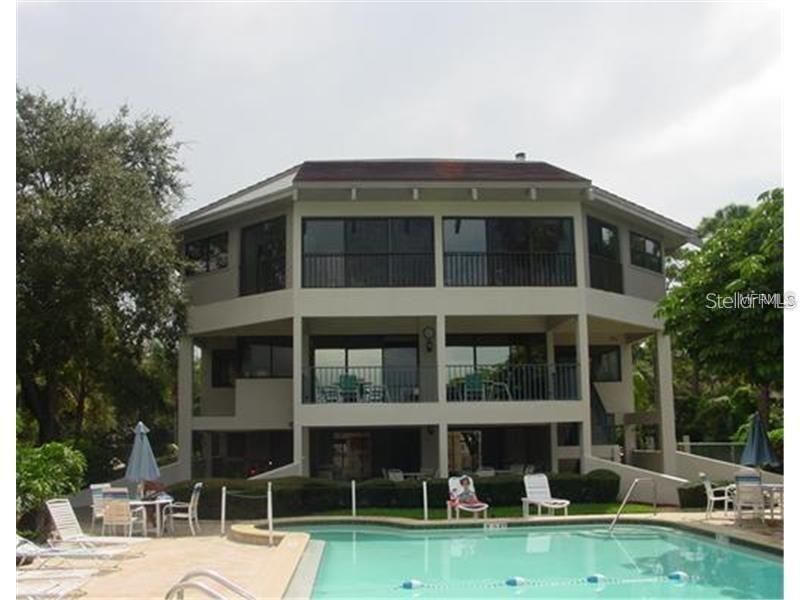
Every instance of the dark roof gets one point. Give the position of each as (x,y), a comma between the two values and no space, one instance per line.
(432,170)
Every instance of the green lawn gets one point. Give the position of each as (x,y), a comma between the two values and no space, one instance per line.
(609,508)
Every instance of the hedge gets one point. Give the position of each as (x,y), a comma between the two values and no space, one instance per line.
(293,496)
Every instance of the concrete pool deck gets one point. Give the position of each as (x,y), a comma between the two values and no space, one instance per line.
(267,571)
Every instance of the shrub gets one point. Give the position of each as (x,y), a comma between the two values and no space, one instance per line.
(294,496)
(45,472)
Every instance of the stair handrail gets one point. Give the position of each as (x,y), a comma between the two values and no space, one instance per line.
(187,582)
(628,495)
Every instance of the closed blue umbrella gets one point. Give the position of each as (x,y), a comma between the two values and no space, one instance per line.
(757,451)
(142,464)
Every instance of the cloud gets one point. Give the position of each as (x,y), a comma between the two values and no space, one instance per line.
(676,106)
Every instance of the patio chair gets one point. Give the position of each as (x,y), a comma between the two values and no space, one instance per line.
(749,494)
(103,556)
(427,472)
(517,469)
(186,510)
(537,491)
(485,472)
(474,387)
(714,495)
(328,393)
(117,512)
(395,475)
(349,387)
(68,528)
(462,496)
(376,393)
(97,490)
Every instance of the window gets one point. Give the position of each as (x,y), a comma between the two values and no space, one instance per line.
(603,239)
(646,252)
(266,357)
(506,251)
(368,252)
(605,362)
(207,254)
(263,260)
(223,368)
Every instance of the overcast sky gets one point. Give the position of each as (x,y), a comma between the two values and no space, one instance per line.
(676,107)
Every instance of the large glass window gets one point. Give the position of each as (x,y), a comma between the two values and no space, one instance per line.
(605,269)
(368,252)
(223,368)
(509,251)
(646,252)
(207,254)
(265,357)
(263,260)
(605,361)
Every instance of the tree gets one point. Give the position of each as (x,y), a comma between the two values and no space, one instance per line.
(98,267)
(722,334)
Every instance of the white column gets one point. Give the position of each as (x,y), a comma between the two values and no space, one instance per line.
(554,447)
(443,467)
(438,250)
(185,376)
(582,352)
(298,454)
(666,402)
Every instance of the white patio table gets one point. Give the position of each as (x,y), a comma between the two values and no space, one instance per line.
(159,503)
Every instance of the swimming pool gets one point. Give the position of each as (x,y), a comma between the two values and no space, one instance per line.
(566,561)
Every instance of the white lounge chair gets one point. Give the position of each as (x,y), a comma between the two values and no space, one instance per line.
(186,510)
(537,491)
(456,500)
(485,472)
(68,528)
(714,495)
(62,587)
(395,475)
(102,556)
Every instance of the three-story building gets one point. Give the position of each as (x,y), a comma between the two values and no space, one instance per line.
(350,317)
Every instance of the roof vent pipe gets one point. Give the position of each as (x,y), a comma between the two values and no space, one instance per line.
(519,156)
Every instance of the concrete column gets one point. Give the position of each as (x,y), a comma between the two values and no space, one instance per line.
(443,467)
(441,359)
(438,250)
(584,387)
(666,403)
(581,250)
(554,447)
(185,376)
(630,443)
(298,454)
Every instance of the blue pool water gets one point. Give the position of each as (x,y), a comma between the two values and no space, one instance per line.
(548,562)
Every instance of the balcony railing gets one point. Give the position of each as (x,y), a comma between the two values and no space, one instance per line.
(472,269)
(368,270)
(512,382)
(605,274)
(324,385)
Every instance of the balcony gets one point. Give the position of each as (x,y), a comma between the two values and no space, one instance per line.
(368,270)
(512,382)
(605,273)
(324,385)
(477,269)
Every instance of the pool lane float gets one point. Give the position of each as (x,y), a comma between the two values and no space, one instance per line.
(598,578)
(516,581)
(678,577)
(411,584)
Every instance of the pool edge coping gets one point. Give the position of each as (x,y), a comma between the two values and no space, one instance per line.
(739,538)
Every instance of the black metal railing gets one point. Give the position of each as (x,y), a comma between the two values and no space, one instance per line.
(472,269)
(605,273)
(324,385)
(368,270)
(513,382)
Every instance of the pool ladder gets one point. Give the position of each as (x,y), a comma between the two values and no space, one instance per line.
(188,582)
(628,495)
